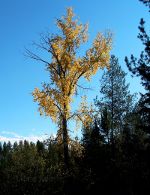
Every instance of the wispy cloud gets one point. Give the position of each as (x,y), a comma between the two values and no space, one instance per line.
(11,136)
(10,133)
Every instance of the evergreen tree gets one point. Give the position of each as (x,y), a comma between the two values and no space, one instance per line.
(1,148)
(105,123)
(116,101)
(40,148)
(141,68)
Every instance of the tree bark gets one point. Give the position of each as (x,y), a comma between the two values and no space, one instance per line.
(65,142)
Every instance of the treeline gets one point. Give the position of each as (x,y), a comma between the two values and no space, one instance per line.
(96,166)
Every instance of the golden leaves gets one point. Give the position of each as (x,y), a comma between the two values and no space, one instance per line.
(66,68)
(85,113)
(47,104)
(98,56)
(73,33)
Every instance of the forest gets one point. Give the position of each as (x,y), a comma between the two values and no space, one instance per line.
(112,157)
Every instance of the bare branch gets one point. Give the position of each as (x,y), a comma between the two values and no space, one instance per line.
(84,88)
(41,46)
(34,56)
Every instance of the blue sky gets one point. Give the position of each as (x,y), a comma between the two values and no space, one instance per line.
(22,21)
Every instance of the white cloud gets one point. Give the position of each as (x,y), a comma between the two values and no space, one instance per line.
(10,133)
(11,136)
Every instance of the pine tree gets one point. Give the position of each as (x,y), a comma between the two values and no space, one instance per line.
(105,123)
(141,68)
(116,101)
(1,149)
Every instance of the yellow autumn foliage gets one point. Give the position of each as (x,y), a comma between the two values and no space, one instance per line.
(66,68)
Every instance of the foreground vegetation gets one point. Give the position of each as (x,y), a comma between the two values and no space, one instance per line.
(95,166)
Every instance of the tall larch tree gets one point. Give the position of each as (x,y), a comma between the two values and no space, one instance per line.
(115,102)
(66,68)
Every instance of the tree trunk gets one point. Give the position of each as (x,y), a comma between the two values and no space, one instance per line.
(65,142)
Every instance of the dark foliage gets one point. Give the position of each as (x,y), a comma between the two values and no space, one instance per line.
(28,168)
(146,2)
(141,68)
